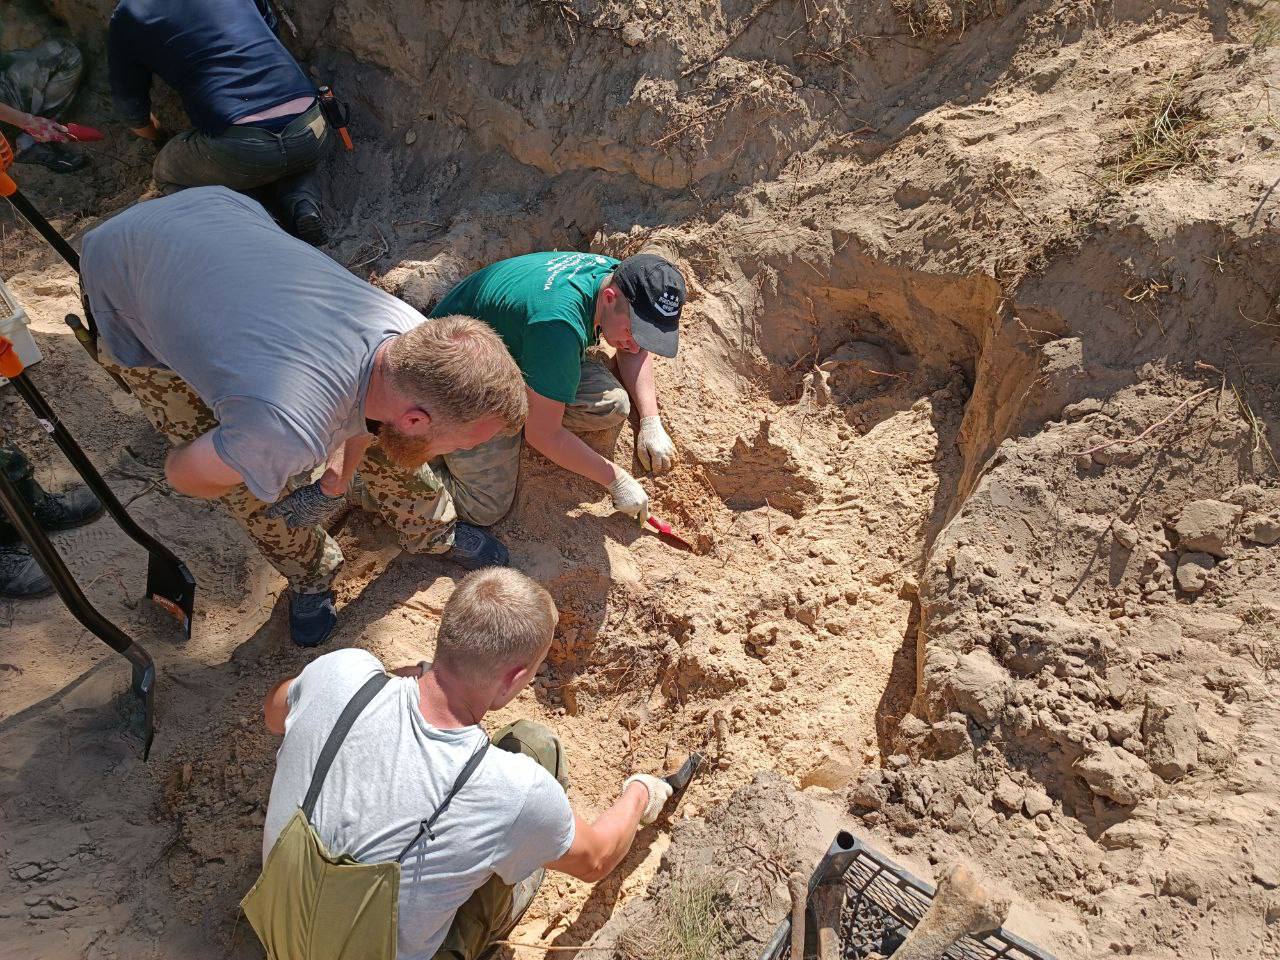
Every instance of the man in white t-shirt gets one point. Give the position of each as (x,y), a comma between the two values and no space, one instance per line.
(466,881)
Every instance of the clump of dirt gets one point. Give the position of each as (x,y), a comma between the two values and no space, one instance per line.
(976,436)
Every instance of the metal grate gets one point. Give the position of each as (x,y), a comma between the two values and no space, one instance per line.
(882,903)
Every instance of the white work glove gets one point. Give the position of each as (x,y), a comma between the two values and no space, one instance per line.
(654,446)
(629,497)
(659,793)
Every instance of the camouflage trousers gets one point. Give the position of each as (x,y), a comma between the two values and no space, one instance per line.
(482,481)
(414,503)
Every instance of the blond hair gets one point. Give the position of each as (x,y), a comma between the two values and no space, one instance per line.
(497,618)
(460,369)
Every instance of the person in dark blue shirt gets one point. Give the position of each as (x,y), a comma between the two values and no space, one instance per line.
(258,127)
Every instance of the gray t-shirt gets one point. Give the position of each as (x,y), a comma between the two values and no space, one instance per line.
(392,771)
(274,336)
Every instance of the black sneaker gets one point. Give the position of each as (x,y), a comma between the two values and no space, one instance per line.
(62,511)
(20,575)
(312,617)
(308,225)
(54,156)
(474,548)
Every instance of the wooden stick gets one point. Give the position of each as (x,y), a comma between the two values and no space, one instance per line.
(798,887)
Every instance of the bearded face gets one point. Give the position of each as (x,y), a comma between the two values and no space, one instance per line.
(405,451)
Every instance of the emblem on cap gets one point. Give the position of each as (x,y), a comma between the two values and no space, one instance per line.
(668,304)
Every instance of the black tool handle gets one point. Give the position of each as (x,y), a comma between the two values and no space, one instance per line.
(144,672)
(37,220)
(84,466)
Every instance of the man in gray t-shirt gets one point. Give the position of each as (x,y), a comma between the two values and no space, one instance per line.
(278,373)
(464,885)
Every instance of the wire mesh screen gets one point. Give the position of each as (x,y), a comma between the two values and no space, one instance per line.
(882,902)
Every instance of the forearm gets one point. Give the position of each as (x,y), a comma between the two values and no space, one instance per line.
(636,373)
(618,825)
(343,465)
(566,449)
(15,118)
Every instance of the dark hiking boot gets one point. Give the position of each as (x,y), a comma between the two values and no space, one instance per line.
(474,548)
(312,617)
(20,575)
(308,225)
(62,511)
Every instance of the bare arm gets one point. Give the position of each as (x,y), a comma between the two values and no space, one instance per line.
(636,372)
(276,707)
(600,846)
(41,128)
(196,470)
(343,465)
(546,433)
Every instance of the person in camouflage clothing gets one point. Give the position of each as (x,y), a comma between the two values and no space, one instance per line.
(278,375)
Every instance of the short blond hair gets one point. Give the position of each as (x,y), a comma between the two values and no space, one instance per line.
(497,618)
(460,369)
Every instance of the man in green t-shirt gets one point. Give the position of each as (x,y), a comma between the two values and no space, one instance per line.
(549,308)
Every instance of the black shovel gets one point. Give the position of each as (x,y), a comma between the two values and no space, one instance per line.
(169,583)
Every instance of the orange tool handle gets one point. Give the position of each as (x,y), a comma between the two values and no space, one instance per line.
(10,362)
(7,187)
(346,138)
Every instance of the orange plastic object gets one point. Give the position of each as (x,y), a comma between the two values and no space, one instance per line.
(10,362)
(7,187)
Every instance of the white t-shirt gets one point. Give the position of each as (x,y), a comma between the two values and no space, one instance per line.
(392,771)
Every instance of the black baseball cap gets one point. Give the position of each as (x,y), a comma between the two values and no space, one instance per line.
(656,292)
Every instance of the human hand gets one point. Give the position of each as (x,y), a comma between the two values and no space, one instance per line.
(629,497)
(45,130)
(307,506)
(654,446)
(659,793)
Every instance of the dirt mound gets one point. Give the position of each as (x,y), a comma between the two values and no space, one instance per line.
(975,402)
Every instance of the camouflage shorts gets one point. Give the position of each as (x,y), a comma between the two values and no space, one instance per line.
(415,504)
(482,481)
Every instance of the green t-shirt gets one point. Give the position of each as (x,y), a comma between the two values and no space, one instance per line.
(543,307)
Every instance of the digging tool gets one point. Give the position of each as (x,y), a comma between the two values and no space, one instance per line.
(82,134)
(170,584)
(827,902)
(336,113)
(667,533)
(962,906)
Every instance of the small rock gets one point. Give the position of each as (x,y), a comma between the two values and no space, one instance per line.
(1126,536)
(1207,526)
(633,34)
(63,903)
(410,137)
(1263,530)
(28,871)
(1273,912)
(979,686)
(1008,794)
(1036,803)
(1183,884)
(1096,882)
(1171,733)
(832,772)
(41,911)
(1193,571)
(1043,821)
(1266,875)
(1116,774)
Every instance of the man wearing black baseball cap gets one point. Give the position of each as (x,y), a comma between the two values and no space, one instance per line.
(550,309)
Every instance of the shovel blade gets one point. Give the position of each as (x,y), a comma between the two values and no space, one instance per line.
(172,588)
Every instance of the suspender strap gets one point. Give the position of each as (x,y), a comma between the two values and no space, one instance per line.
(426,825)
(339,733)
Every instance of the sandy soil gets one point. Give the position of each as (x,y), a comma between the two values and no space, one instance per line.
(944,596)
